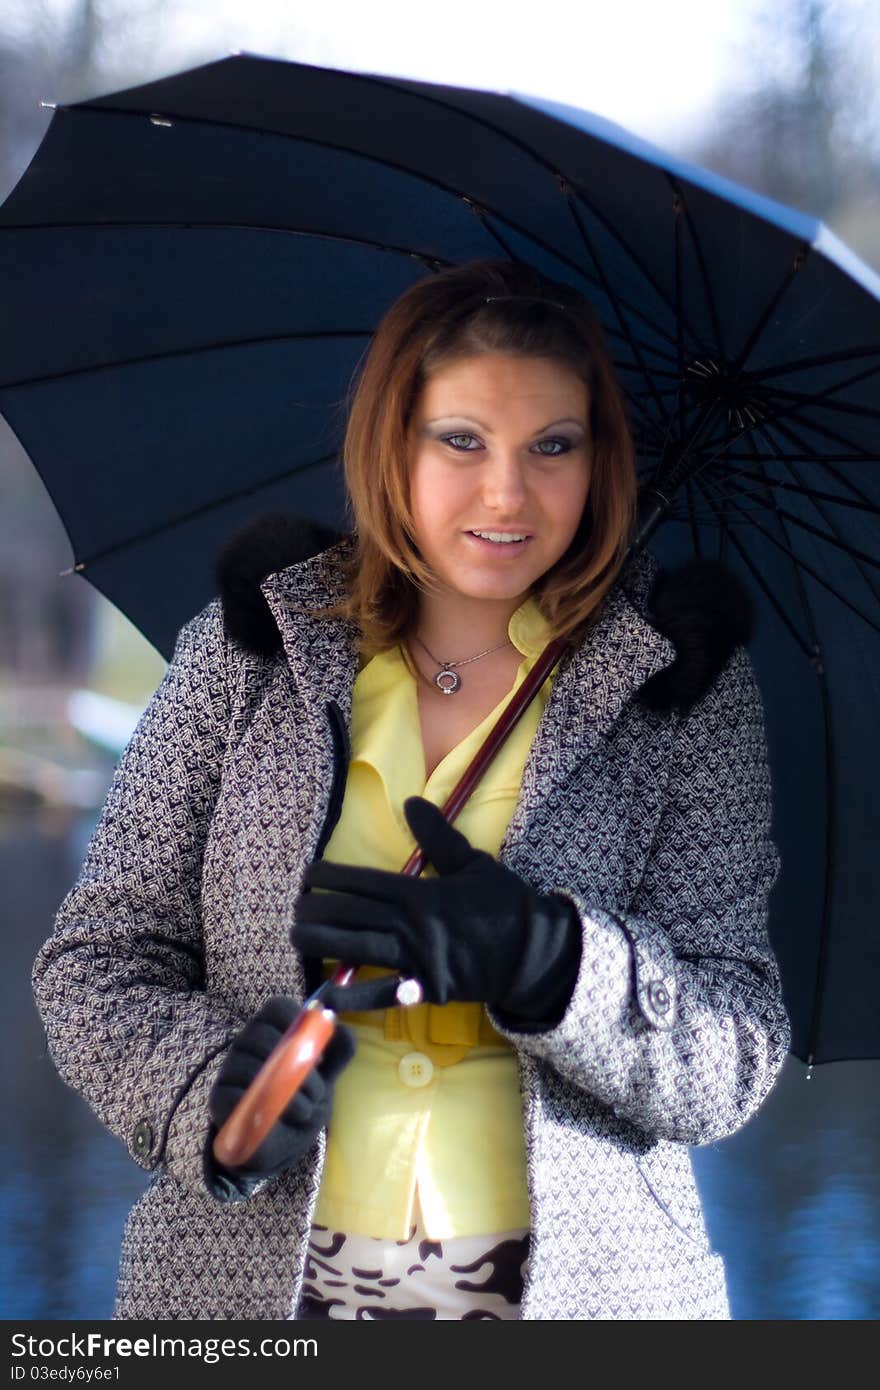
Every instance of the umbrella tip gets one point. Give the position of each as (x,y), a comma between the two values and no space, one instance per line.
(49,105)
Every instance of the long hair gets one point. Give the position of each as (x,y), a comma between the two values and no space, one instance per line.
(436,321)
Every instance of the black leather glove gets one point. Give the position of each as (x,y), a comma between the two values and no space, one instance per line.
(478,932)
(297,1126)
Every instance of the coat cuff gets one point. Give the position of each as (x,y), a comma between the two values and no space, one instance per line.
(182,1147)
(626,978)
(224,1184)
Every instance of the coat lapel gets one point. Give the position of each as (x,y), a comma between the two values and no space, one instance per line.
(320,651)
(620,653)
(591,688)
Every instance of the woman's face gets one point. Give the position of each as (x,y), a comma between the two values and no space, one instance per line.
(498,444)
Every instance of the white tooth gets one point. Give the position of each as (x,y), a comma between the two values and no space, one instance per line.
(498,536)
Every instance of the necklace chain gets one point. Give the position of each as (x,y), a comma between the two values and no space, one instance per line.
(446,678)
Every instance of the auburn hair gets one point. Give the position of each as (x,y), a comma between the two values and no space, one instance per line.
(481,306)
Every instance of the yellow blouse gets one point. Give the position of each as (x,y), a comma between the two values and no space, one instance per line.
(429,1109)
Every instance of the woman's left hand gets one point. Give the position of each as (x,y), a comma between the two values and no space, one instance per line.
(478,932)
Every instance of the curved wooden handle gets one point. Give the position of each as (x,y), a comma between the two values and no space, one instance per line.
(297,1051)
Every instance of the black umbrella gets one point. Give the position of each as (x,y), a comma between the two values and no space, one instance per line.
(192,270)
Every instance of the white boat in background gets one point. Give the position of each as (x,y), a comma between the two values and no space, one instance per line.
(109,723)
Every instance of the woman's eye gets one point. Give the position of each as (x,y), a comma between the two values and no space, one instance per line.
(563,445)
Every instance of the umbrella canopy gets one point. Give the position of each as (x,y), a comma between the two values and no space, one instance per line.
(192,270)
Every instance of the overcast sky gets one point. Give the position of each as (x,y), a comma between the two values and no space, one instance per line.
(652,66)
(656,66)
(647,64)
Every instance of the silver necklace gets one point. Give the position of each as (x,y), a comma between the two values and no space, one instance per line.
(447,679)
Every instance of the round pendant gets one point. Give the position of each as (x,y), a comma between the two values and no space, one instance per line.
(447,681)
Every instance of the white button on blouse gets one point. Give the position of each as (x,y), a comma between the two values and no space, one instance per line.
(415,1069)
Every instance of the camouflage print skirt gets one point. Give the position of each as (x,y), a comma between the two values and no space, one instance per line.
(363,1278)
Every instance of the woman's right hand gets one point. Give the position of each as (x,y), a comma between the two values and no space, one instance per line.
(308,1112)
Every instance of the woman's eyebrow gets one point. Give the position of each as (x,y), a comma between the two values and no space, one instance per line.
(472,420)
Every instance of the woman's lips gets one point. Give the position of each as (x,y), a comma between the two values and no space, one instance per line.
(498,547)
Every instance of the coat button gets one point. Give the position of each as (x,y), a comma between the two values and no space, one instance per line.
(658,997)
(142,1139)
(415,1069)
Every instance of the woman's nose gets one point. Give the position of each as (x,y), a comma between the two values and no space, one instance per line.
(503,482)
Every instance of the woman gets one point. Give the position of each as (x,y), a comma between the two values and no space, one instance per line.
(590,938)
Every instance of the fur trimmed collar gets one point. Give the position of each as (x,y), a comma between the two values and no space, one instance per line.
(703,608)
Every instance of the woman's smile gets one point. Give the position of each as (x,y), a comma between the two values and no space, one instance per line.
(490,543)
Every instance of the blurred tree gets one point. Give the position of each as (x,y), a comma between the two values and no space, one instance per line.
(51,52)
(45,621)
(58,52)
(801,121)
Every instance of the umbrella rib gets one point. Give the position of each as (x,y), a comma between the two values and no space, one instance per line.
(799,487)
(844,407)
(762,320)
(665,354)
(751,520)
(781,416)
(614,301)
(836,541)
(806,457)
(214,505)
(647,421)
(594,280)
(492,231)
(826,463)
(703,268)
(679,316)
(808,651)
(659,373)
(662,437)
(856,556)
(168,354)
(571,185)
(803,364)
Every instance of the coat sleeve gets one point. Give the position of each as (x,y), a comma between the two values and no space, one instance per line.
(120,983)
(676,1021)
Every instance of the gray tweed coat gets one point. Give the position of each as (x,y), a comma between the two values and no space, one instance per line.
(176,931)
